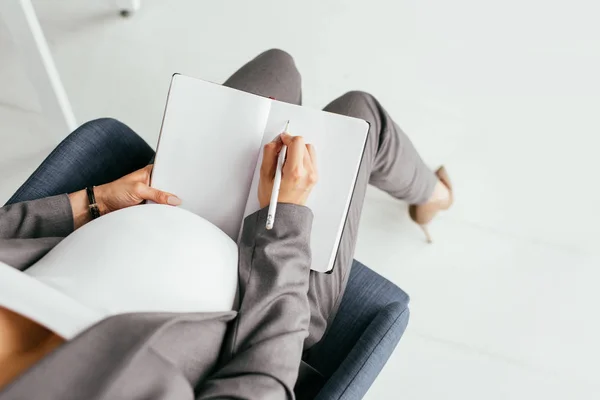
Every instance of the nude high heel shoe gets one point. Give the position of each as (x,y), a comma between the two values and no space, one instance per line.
(422,214)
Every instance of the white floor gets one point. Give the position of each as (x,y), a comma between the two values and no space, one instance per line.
(505,94)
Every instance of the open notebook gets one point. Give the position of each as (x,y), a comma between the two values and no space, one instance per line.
(210,151)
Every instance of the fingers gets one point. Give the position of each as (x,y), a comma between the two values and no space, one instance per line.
(269,162)
(148,193)
(299,171)
(141,175)
(148,170)
(296,150)
(310,159)
(313,154)
(299,154)
(307,163)
(286,138)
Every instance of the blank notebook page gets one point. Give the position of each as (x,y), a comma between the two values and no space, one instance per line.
(209,143)
(339,143)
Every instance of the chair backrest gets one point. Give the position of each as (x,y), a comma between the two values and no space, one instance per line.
(360,368)
(369,323)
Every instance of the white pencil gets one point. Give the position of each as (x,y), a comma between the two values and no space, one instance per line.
(277,183)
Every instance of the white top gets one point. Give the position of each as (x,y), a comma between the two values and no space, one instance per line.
(150,258)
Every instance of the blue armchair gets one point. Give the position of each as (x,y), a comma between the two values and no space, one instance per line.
(369,324)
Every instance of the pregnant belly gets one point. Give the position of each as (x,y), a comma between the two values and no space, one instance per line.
(149,258)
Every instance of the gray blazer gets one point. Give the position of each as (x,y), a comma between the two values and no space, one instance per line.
(253,353)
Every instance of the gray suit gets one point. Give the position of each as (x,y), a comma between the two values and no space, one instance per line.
(253,353)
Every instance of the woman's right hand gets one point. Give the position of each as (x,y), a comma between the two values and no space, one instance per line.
(299,171)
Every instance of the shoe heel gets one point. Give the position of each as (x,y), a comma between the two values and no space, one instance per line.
(426,231)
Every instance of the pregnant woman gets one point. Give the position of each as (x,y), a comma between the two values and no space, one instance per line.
(81,317)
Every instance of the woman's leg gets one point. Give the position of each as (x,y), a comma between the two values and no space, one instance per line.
(391,163)
(97,152)
(271,74)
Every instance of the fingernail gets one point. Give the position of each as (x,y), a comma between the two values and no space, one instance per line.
(174,200)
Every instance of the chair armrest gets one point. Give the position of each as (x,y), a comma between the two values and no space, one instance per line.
(362,365)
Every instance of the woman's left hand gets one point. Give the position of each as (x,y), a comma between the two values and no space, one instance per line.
(127,191)
(131,190)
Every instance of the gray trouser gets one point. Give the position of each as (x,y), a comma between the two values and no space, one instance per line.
(390,162)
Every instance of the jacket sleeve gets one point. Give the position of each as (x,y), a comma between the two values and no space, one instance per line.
(28,230)
(262,353)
